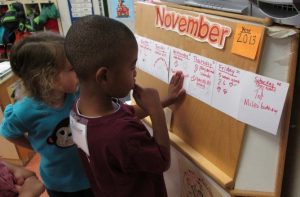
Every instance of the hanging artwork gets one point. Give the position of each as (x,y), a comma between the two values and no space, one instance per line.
(80,8)
(195,183)
(122,10)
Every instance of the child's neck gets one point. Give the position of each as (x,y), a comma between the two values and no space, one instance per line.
(57,100)
(95,106)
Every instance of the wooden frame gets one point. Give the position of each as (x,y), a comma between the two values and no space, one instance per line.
(200,136)
(204,157)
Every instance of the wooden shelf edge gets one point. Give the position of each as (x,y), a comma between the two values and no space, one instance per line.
(17,162)
(251,193)
(199,160)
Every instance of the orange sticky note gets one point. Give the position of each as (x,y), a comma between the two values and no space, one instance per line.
(246,40)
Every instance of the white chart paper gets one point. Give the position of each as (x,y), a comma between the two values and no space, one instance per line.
(180,61)
(251,98)
(161,61)
(201,79)
(262,102)
(227,88)
(145,54)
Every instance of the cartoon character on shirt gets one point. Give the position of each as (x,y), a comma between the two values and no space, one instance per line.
(61,136)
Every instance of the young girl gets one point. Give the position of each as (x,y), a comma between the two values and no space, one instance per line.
(41,120)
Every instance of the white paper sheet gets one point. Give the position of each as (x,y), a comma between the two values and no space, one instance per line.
(201,81)
(145,54)
(161,61)
(79,135)
(4,67)
(180,61)
(262,102)
(227,88)
(245,96)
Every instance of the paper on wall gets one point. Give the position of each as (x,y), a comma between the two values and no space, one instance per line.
(145,51)
(180,61)
(161,61)
(245,96)
(227,88)
(201,79)
(262,101)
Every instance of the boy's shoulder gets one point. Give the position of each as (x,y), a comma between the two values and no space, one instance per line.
(126,119)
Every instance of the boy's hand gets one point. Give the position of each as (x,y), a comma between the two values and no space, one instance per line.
(147,99)
(175,90)
(144,96)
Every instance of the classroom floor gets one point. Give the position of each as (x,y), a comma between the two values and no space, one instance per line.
(33,165)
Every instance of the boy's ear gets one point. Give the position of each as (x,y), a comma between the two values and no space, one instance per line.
(101,75)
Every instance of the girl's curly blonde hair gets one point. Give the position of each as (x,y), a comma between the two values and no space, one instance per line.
(37,60)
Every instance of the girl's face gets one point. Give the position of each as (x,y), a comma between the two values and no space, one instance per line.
(66,80)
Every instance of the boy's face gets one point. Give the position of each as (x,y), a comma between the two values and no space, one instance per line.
(123,75)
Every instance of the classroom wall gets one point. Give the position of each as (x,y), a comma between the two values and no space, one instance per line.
(291,179)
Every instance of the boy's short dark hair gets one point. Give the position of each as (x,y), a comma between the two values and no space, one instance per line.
(95,41)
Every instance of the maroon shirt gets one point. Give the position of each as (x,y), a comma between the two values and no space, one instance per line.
(124,159)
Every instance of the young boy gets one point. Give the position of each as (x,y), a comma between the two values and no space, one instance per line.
(119,155)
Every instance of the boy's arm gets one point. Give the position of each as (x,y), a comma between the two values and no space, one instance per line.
(21,141)
(159,126)
(148,100)
(175,94)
